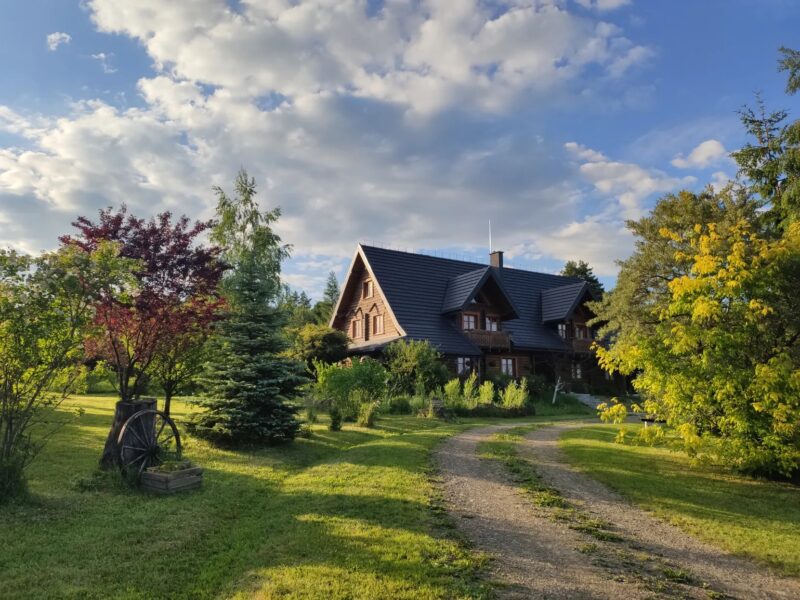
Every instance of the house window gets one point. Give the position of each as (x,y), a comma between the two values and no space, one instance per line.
(608,376)
(357,329)
(507,366)
(562,330)
(377,324)
(580,332)
(463,365)
(577,372)
(366,289)
(492,324)
(469,322)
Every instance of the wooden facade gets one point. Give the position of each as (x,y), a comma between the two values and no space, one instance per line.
(481,318)
(363,310)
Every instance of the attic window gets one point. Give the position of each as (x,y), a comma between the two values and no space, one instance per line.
(377,324)
(492,324)
(562,330)
(366,289)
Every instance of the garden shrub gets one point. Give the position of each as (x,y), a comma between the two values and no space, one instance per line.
(336,419)
(348,387)
(469,390)
(452,394)
(537,386)
(413,365)
(486,393)
(500,380)
(515,395)
(399,405)
(367,413)
(419,403)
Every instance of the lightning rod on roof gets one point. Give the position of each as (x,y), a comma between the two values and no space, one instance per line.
(490,236)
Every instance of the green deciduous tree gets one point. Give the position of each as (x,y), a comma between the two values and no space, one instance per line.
(248,381)
(46,309)
(318,342)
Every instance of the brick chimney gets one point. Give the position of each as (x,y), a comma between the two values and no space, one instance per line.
(496,259)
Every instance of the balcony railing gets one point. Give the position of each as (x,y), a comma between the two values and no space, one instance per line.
(492,340)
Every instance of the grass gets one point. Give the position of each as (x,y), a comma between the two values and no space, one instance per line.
(753,518)
(352,514)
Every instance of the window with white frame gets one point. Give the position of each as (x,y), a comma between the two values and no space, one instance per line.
(469,322)
(562,330)
(377,324)
(508,366)
(463,365)
(580,332)
(492,324)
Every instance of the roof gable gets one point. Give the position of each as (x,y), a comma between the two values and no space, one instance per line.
(462,289)
(560,302)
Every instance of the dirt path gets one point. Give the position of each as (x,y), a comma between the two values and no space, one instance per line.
(535,558)
(538,555)
(735,576)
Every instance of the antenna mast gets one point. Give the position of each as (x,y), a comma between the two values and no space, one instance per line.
(490,236)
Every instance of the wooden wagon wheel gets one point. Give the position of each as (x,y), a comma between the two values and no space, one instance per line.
(148,438)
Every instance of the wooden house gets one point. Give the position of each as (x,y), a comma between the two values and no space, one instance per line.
(484,318)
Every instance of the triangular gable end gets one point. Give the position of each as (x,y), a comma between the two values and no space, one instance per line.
(350,287)
(463,289)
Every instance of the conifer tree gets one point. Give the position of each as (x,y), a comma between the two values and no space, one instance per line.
(248,381)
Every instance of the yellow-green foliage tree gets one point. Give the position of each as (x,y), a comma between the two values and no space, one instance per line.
(716,354)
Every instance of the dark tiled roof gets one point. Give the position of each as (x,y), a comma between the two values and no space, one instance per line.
(461,289)
(416,287)
(558,303)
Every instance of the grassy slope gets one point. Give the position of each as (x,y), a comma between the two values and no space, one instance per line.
(753,518)
(344,514)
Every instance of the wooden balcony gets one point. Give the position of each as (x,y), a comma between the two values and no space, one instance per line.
(491,340)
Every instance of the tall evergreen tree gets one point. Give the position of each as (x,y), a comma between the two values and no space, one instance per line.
(582,270)
(323,309)
(248,381)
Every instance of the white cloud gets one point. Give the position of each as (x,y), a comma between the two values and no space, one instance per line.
(105,61)
(427,56)
(321,101)
(703,155)
(603,5)
(56,39)
(629,183)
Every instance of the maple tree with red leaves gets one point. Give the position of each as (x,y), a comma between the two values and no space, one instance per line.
(177,291)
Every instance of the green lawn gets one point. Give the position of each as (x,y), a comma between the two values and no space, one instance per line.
(343,515)
(754,518)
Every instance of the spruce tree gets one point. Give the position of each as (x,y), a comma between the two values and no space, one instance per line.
(248,381)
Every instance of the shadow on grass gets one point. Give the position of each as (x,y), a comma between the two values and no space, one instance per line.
(342,514)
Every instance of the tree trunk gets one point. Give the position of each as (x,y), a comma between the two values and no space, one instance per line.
(167,400)
(122,412)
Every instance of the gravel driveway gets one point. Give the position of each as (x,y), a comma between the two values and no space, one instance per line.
(537,556)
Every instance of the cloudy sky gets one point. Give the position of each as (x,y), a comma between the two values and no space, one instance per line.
(408,123)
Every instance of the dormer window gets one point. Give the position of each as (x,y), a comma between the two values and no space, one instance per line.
(469,322)
(366,289)
(492,324)
(562,330)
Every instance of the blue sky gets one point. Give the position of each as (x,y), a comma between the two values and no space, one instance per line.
(407,123)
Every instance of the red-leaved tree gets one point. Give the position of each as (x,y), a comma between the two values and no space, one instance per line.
(177,287)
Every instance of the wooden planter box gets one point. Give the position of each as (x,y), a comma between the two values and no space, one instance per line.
(175,481)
